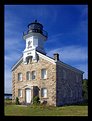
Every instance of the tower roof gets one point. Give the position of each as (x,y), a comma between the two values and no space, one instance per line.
(35,27)
(35,22)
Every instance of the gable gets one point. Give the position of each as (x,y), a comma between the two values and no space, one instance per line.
(51,60)
(40,55)
(17,64)
(69,67)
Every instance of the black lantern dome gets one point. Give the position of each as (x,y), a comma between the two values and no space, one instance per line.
(36,27)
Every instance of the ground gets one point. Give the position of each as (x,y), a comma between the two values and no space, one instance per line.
(31,110)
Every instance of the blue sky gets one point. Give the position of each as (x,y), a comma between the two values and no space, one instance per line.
(67,27)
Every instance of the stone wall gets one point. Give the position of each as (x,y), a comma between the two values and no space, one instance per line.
(69,90)
(49,83)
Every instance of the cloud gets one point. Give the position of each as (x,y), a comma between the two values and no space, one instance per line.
(54,37)
(70,53)
(73,55)
(16,20)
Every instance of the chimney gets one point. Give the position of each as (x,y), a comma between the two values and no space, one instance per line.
(56,56)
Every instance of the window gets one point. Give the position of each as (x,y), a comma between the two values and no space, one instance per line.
(19,93)
(29,44)
(64,74)
(33,75)
(44,92)
(19,76)
(28,75)
(43,73)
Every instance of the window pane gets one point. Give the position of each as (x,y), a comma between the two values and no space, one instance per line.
(44,92)
(19,76)
(43,73)
(19,93)
(28,75)
(33,75)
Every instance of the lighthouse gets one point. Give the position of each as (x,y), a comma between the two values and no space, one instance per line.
(35,38)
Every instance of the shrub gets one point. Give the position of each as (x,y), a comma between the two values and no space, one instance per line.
(36,100)
(17,101)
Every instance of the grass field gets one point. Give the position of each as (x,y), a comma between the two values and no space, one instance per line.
(22,110)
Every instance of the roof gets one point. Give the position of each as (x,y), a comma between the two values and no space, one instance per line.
(52,61)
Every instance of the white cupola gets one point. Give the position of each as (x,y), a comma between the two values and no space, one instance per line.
(35,38)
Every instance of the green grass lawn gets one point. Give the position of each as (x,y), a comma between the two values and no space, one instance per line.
(21,110)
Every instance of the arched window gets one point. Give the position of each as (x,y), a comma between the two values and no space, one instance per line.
(28,75)
(19,76)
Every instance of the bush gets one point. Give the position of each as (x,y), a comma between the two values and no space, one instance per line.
(17,101)
(36,100)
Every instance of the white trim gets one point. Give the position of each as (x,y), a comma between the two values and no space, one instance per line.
(17,63)
(46,58)
(26,86)
(69,67)
(41,55)
(52,61)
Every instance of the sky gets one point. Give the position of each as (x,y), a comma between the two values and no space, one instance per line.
(67,27)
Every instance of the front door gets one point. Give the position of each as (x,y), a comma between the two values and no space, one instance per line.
(28,95)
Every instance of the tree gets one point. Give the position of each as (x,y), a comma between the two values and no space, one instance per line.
(85,89)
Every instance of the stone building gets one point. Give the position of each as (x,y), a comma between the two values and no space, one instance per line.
(35,73)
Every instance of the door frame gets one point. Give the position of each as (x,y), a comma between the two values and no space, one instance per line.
(30,93)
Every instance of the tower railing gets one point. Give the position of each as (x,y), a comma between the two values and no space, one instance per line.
(43,32)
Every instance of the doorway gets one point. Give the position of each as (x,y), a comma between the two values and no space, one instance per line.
(28,95)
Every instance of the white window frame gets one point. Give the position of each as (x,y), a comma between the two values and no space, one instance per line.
(19,92)
(28,75)
(44,92)
(19,76)
(43,76)
(33,75)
